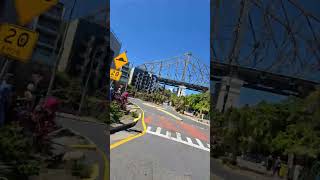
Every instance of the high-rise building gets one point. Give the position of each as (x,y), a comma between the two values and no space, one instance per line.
(49,25)
(125,74)
(143,80)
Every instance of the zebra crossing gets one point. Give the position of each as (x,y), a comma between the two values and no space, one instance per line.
(194,142)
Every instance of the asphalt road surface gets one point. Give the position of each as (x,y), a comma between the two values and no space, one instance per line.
(174,147)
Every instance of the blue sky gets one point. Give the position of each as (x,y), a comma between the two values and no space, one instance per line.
(158,29)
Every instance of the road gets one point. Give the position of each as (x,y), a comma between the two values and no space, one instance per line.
(174,147)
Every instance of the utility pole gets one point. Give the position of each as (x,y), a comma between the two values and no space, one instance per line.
(84,92)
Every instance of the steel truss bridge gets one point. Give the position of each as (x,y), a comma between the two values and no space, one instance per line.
(272,45)
(184,70)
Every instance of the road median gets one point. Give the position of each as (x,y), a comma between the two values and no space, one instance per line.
(126,122)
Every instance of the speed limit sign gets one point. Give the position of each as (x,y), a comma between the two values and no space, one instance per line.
(115,74)
(17,42)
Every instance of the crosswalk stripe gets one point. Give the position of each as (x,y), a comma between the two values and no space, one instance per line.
(158,131)
(179,139)
(189,140)
(200,143)
(168,134)
(178,136)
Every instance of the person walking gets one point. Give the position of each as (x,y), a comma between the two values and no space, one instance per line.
(269,163)
(277,167)
(5,99)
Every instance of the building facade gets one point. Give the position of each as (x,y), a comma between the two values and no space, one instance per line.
(79,54)
(49,25)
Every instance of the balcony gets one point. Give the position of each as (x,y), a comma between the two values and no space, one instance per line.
(47,30)
(45,45)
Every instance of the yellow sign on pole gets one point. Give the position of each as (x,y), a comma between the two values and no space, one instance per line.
(120,60)
(115,74)
(17,42)
(28,9)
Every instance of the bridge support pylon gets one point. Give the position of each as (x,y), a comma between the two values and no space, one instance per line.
(226,93)
(181,91)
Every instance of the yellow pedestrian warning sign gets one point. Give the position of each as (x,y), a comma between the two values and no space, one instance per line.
(120,60)
(115,74)
(28,9)
(17,42)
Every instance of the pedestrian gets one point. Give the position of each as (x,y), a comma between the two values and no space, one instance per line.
(5,99)
(277,167)
(29,96)
(269,163)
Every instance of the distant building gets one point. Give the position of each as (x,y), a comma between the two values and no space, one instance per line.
(49,25)
(73,59)
(125,74)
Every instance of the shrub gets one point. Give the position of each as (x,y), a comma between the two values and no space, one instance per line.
(115,111)
(16,149)
(134,114)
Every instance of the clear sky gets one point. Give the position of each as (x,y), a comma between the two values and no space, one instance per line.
(158,29)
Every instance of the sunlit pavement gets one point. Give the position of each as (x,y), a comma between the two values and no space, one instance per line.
(165,151)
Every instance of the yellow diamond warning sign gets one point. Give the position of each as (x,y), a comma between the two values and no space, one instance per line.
(17,42)
(115,74)
(121,60)
(28,9)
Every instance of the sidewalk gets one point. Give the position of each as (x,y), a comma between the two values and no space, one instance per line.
(241,173)
(70,148)
(126,121)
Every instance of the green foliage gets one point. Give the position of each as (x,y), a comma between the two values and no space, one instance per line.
(97,108)
(81,169)
(291,126)
(134,114)
(115,112)
(68,90)
(16,149)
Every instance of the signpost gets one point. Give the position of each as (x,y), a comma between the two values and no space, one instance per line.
(120,60)
(115,74)
(17,42)
(28,9)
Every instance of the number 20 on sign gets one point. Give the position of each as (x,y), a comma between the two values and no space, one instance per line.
(115,74)
(17,42)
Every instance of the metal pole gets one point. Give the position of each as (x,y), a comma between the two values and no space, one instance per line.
(84,92)
(4,68)
(60,50)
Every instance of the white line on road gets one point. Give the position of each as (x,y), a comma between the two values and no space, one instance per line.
(158,131)
(189,140)
(149,128)
(178,136)
(200,143)
(168,136)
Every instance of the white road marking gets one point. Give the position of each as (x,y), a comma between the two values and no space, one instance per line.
(178,139)
(168,134)
(199,142)
(189,140)
(158,131)
(178,136)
